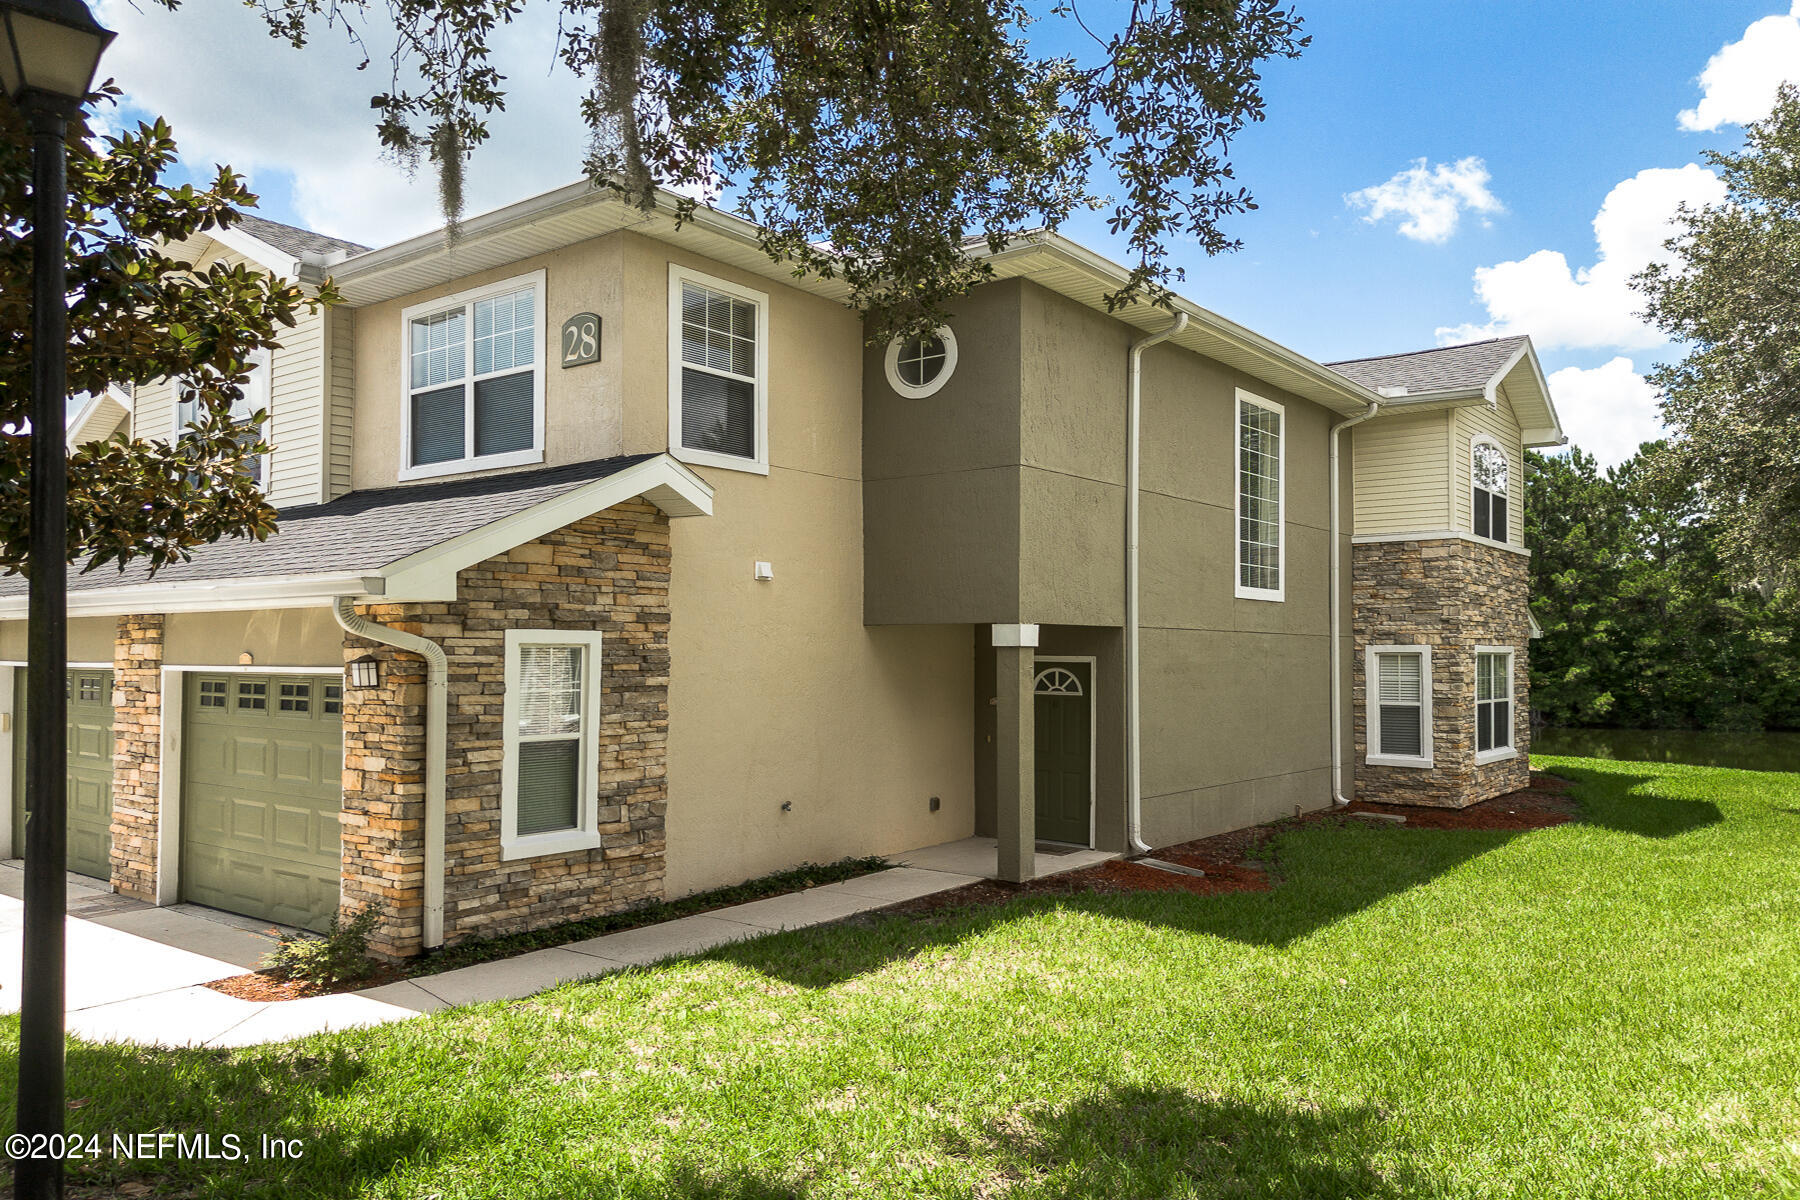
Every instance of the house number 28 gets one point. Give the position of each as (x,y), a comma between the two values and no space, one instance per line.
(581,340)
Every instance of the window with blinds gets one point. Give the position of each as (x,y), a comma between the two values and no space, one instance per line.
(1490,478)
(1493,701)
(718,351)
(474,384)
(1259,498)
(549,780)
(1399,705)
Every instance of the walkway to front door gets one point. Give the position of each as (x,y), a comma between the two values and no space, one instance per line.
(1064,751)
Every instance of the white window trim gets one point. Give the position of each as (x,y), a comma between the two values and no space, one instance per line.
(586,834)
(891,364)
(1482,439)
(260,394)
(459,466)
(759,465)
(1500,754)
(1237,499)
(1372,708)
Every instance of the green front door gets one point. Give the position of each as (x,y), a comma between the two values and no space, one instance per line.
(1064,751)
(88,791)
(261,786)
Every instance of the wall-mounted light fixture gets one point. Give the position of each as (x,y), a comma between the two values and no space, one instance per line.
(364,672)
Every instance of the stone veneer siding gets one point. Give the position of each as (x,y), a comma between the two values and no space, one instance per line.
(608,572)
(1452,595)
(137,753)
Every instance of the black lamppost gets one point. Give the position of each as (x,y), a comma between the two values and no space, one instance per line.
(49,50)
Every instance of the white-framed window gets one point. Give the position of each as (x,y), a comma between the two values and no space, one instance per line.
(1491,476)
(550,772)
(1397,699)
(918,366)
(472,380)
(1493,703)
(718,372)
(255,399)
(1261,498)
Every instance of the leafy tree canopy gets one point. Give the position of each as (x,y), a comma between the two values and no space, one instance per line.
(1733,296)
(136,314)
(872,140)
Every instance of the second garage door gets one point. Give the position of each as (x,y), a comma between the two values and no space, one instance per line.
(90,770)
(260,793)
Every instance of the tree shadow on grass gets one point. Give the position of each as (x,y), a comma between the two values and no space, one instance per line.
(130,1090)
(1132,1141)
(1625,804)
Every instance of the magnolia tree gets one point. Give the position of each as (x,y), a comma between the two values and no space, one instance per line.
(870,140)
(136,314)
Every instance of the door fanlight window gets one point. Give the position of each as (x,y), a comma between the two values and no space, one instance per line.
(1055,681)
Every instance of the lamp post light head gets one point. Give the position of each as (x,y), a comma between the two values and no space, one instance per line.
(50,48)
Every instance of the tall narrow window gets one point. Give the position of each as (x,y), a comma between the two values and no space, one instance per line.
(1260,459)
(718,350)
(1490,491)
(1398,680)
(549,778)
(474,387)
(254,398)
(1493,702)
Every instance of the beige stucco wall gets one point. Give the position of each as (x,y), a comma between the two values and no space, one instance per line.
(273,637)
(90,640)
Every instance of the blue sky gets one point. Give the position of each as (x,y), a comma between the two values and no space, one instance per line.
(1524,120)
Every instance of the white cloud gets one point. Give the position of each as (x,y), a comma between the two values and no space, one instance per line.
(1593,306)
(1608,411)
(1432,199)
(235,95)
(1739,83)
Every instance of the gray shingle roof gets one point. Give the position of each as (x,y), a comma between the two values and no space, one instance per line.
(292,239)
(1445,368)
(361,532)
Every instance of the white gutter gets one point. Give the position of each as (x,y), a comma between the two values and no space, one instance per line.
(1134,739)
(437,695)
(1335,606)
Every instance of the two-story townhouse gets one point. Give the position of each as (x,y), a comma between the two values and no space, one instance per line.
(612,565)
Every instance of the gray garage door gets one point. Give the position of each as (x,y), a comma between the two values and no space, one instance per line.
(90,759)
(262,772)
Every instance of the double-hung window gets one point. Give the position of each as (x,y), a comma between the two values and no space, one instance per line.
(550,773)
(1398,684)
(718,372)
(474,380)
(1493,703)
(1490,478)
(253,399)
(1261,459)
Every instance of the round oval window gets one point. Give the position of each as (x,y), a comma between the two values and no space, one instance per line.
(917,366)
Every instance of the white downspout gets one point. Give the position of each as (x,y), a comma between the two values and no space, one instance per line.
(437,694)
(1134,727)
(1335,606)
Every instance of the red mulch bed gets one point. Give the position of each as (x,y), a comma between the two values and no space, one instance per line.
(1227,860)
(258,986)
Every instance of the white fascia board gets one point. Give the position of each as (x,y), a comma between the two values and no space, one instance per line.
(257,250)
(430,574)
(225,595)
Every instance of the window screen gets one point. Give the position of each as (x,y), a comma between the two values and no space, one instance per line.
(473,379)
(1493,701)
(1259,497)
(1400,704)
(718,372)
(550,734)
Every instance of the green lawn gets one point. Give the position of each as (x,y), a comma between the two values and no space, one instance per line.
(1603,1009)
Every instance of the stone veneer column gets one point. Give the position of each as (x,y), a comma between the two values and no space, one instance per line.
(1452,595)
(383,817)
(137,753)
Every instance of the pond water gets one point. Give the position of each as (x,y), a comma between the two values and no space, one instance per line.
(1750,751)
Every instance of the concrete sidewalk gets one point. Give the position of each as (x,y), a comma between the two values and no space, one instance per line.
(135,972)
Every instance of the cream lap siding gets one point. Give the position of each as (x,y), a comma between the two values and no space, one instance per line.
(1401,476)
(1500,425)
(297,407)
(153,412)
(340,353)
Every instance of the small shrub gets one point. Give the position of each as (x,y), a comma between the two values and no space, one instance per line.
(322,962)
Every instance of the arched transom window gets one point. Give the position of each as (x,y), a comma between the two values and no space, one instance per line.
(1055,681)
(1490,491)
